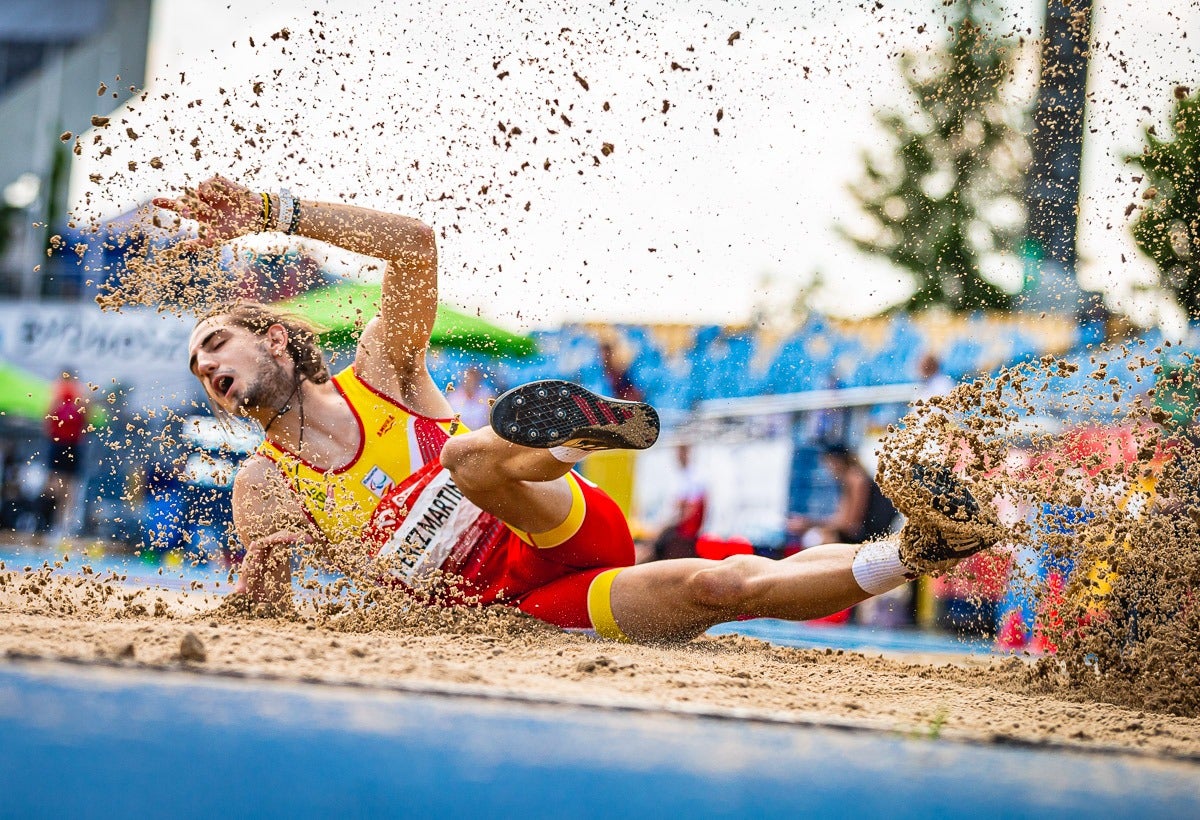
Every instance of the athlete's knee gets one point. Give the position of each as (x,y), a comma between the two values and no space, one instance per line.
(727,583)
(468,453)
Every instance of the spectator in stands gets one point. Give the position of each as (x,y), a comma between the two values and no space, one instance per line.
(616,371)
(471,400)
(863,512)
(278,276)
(163,482)
(933,381)
(10,485)
(678,538)
(66,428)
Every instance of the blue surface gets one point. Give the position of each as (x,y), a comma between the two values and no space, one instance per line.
(138,570)
(854,638)
(91,742)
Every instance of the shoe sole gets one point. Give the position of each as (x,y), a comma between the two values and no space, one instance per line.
(557,413)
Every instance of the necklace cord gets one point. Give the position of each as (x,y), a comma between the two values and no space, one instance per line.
(287,406)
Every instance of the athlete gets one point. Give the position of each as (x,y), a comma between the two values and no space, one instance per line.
(372,470)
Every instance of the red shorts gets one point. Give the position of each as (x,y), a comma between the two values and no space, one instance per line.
(562,584)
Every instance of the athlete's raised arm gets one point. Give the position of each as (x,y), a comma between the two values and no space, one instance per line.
(410,287)
(392,349)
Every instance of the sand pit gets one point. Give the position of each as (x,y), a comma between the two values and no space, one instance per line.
(974,698)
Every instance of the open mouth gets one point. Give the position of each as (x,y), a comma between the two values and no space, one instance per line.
(222,385)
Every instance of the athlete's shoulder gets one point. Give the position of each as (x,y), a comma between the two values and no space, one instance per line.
(263,501)
(258,470)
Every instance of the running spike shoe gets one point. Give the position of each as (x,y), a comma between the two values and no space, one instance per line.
(949,525)
(944,494)
(558,413)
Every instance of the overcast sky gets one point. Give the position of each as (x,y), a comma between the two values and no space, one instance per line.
(619,200)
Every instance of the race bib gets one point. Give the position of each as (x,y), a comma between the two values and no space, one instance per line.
(426,524)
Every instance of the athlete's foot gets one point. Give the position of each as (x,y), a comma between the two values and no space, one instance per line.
(946,523)
(557,413)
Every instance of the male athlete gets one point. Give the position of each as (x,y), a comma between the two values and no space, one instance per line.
(370,467)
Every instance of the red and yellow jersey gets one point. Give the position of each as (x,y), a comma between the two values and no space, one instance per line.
(396,499)
(394,443)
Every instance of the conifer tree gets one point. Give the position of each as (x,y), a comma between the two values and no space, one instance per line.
(1168,227)
(937,203)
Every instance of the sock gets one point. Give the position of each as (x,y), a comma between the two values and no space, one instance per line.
(568,455)
(877,567)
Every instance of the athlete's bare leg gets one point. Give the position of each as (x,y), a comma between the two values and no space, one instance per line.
(522,486)
(661,600)
(680,599)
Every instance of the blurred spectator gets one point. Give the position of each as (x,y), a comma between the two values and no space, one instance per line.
(678,538)
(1093,318)
(616,373)
(113,459)
(164,508)
(10,485)
(933,381)
(472,400)
(267,277)
(65,427)
(863,511)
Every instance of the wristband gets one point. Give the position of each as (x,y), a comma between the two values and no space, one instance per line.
(285,210)
(266,215)
(294,222)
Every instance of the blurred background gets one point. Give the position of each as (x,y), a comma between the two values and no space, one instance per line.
(779,226)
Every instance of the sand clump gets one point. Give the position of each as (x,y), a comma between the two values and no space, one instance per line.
(191,648)
(1086,470)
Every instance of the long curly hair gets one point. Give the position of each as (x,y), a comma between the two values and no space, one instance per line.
(303,344)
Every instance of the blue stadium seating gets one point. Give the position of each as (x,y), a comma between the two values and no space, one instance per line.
(721,363)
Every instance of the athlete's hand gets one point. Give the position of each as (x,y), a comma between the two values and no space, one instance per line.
(242,605)
(223,209)
(265,574)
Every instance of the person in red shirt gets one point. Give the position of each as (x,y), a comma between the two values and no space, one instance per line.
(66,428)
(678,538)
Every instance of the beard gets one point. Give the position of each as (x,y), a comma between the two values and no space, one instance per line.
(270,388)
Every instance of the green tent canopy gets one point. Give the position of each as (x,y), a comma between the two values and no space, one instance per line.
(26,396)
(22,394)
(343,310)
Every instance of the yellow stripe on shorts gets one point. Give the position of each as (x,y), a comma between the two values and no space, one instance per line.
(599,603)
(568,528)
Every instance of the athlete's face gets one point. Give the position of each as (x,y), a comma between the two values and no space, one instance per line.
(239,369)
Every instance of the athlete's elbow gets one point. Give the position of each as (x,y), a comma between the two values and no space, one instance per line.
(421,242)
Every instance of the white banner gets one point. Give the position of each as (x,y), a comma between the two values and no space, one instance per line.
(142,350)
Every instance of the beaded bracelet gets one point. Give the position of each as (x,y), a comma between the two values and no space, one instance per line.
(266,216)
(294,223)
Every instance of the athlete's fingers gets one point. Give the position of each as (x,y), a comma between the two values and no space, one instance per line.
(218,191)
